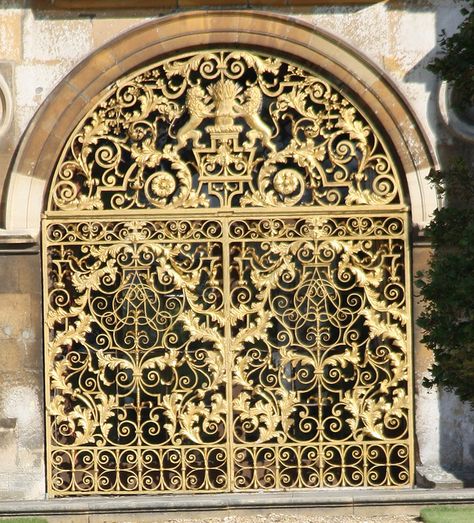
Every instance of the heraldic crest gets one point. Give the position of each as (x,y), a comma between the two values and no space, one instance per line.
(219,129)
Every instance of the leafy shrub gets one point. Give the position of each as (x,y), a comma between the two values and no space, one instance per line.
(447,287)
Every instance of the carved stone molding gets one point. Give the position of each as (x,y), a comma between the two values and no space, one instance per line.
(91,5)
(6,109)
(37,152)
(15,242)
(461,123)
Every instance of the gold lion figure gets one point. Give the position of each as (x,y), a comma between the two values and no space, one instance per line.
(250,110)
(198,109)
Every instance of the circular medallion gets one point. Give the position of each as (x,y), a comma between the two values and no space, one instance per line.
(286,181)
(163,184)
(6,108)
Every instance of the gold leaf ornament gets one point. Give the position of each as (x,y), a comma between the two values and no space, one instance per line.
(287,181)
(163,184)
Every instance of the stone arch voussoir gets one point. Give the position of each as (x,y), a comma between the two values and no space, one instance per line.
(38,150)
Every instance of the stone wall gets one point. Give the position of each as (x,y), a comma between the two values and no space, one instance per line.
(21,377)
(37,51)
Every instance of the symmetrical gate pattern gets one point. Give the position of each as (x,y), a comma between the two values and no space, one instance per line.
(257,339)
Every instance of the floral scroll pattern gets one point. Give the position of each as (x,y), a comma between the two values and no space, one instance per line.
(226,301)
(223,129)
(172,371)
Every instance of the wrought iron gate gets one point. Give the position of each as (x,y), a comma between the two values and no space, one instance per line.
(226,287)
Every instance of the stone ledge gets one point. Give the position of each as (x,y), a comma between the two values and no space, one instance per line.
(436,477)
(407,501)
(17,242)
(90,5)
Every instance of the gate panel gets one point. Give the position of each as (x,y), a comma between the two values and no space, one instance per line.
(150,318)
(320,352)
(136,356)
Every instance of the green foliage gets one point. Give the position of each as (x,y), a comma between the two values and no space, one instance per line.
(446,514)
(457,63)
(447,287)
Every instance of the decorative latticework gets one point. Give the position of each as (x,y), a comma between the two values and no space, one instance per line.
(223,129)
(226,290)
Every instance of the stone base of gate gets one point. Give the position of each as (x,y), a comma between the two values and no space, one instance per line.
(436,477)
(147,509)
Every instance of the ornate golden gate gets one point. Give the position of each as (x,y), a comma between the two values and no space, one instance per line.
(226,287)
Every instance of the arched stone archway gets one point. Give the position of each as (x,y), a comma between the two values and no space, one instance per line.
(382,221)
(75,95)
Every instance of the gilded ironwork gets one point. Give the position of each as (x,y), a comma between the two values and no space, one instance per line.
(223,129)
(226,295)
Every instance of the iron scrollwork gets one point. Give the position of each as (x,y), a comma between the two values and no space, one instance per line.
(225,300)
(223,129)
